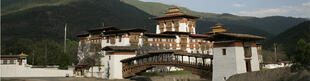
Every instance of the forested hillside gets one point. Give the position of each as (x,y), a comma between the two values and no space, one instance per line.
(289,38)
(45,19)
(272,25)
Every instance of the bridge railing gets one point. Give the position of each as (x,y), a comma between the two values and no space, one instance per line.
(138,64)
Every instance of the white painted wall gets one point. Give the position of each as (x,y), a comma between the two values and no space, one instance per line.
(273,66)
(115,66)
(232,63)
(24,71)
(94,72)
(227,65)
(254,59)
(157,29)
(182,27)
(124,42)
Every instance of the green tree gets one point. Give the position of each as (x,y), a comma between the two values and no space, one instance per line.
(46,52)
(20,45)
(302,55)
(72,49)
(64,61)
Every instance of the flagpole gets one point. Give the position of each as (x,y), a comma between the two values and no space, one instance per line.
(65,37)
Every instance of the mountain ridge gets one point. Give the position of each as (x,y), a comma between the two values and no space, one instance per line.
(289,38)
(155,8)
(42,22)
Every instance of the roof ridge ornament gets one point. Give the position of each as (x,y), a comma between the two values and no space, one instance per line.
(23,54)
(218,28)
(174,11)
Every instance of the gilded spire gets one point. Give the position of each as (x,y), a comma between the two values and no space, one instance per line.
(218,28)
(174,11)
(23,54)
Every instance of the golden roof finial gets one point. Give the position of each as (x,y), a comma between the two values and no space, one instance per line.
(218,28)
(174,10)
(23,54)
(218,25)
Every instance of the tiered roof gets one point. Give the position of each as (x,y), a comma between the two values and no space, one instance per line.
(175,13)
(107,28)
(82,35)
(235,36)
(126,30)
(14,56)
(159,35)
(121,48)
(199,36)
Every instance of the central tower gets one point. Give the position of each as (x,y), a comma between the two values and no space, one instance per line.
(176,21)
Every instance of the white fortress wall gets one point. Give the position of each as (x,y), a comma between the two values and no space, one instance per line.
(24,71)
(254,59)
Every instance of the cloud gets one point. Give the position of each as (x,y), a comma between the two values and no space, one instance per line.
(306,4)
(237,5)
(302,10)
(263,12)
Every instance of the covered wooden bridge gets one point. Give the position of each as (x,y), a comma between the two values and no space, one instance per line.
(176,58)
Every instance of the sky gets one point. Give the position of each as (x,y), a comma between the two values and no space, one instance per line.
(257,8)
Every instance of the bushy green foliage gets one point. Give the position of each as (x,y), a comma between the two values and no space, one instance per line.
(64,61)
(44,52)
(301,58)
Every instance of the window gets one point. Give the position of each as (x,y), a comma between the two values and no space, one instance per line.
(167,46)
(224,51)
(108,40)
(164,40)
(247,52)
(5,61)
(120,39)
(11,61)
(150,39)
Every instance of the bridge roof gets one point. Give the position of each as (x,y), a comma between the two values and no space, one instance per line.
(121,48)
(175,52)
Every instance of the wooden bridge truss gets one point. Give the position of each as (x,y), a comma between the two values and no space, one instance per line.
(141,63)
